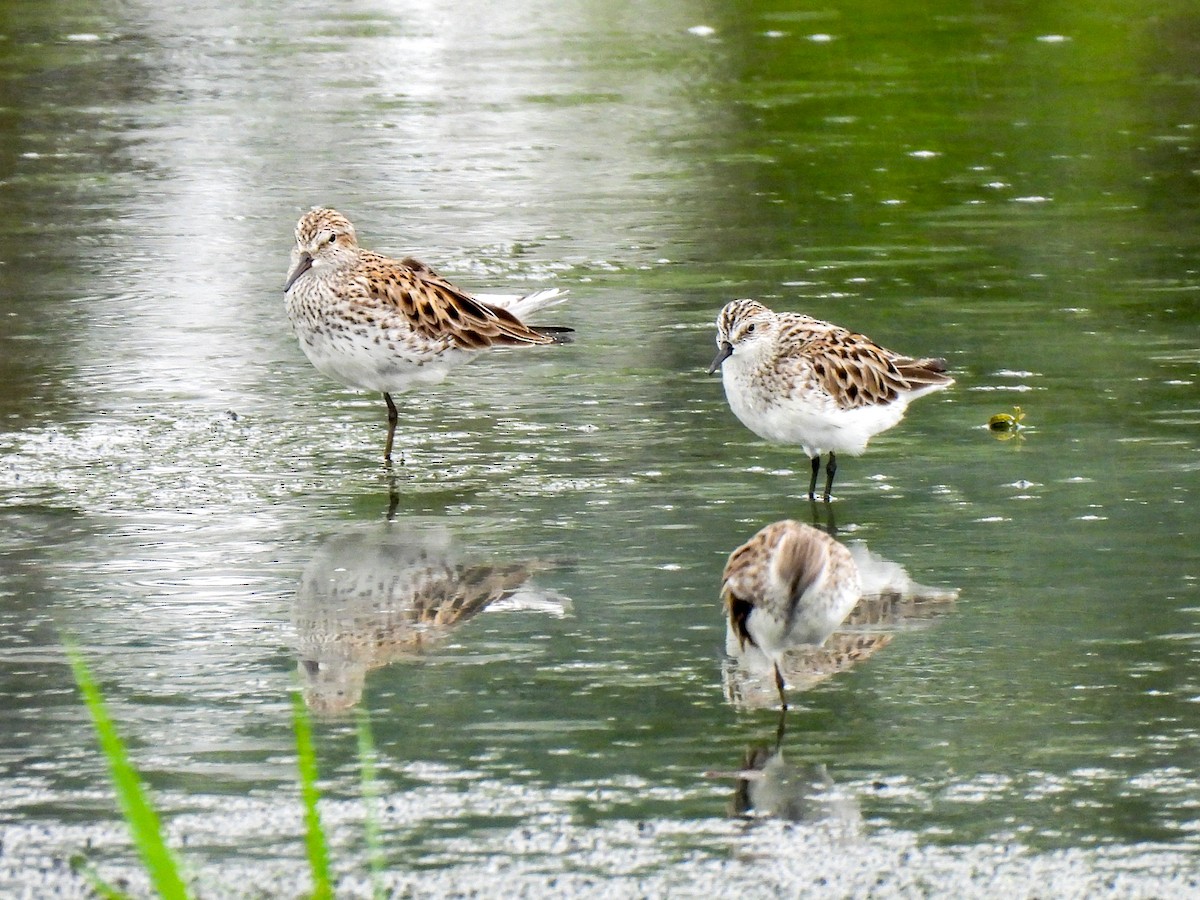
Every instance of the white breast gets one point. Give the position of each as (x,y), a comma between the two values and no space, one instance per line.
(787,411)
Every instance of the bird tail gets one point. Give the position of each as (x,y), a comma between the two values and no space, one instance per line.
(924,375)
(523,305)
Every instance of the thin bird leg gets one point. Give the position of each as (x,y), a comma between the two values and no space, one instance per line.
(393,418)
(812,484)
(779,685)
(830,469)
(780,729)
(829,525)
(393,497)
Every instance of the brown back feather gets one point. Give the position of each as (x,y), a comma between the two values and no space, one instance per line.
(439,309)
(799,561)
(855,372)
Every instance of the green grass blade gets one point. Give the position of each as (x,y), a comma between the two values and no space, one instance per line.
(144,825)
(370,795)
(318,850)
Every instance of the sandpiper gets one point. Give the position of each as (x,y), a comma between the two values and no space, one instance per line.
(390,325)
(793,379)
(789,585)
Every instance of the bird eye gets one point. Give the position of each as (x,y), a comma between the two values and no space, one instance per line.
(750,328)
(332,238)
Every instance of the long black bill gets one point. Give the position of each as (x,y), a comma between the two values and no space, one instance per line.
(302,266)
(723,354)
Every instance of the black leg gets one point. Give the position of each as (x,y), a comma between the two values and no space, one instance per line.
(393,418)
(812,484)
(830,470)
(779,685)
(827,523)
(393,497)
(780,728)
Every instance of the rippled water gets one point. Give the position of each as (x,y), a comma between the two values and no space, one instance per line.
(184,494)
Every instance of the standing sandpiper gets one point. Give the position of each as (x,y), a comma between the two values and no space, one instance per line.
(387,325)
(793,379)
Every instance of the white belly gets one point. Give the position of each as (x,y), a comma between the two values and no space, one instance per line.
(813,421)
(819,612)
(371,367)
(367,356)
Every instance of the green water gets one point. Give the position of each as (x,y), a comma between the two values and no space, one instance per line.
(1013,188)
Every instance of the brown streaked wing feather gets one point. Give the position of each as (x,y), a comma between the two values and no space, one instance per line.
(416,265)
(860,374)
(850,367)
(841,651)
(854,648)
(439,310)
(453,598)
(744,556)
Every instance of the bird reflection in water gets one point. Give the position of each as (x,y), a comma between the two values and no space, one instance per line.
(769,785)
(890,602)
(390,593)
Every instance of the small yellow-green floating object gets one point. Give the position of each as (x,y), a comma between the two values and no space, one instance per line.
(1006,425)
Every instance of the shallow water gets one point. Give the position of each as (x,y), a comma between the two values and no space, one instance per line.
(1016,194)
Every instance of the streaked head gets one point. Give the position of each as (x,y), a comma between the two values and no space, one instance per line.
(324,237)
(742,326)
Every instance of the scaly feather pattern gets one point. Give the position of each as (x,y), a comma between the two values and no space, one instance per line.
(371,597)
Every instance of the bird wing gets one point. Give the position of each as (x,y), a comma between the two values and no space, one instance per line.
(439,310)
(851,368)
(796,560)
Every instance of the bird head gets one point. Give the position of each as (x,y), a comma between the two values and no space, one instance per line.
(324,238)
(743,327)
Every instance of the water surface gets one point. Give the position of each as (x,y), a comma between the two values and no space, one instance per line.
(1013,190)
